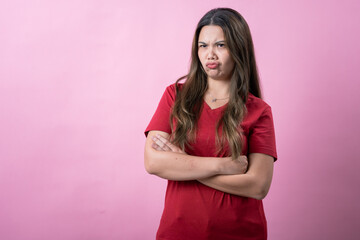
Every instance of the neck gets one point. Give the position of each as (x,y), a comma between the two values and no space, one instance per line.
(217,88)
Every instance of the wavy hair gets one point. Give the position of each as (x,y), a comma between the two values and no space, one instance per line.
(189,99)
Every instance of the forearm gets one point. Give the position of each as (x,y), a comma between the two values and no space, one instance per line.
(180,167)
(244,185)
(168,161)
(255,183)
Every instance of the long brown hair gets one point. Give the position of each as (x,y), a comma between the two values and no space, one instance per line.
(189,99)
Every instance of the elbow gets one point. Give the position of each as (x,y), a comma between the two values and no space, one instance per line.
(255,190)
(261,191)
(261,194)
(151,169)
(148,168)
(150,164)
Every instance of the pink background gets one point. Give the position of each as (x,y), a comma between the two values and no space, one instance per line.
(80,80)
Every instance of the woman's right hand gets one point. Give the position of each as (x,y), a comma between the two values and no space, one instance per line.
(234,166)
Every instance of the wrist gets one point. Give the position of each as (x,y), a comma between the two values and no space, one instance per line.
(222,165)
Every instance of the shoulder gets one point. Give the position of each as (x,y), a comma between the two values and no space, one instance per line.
(170,90)
(257,111)
(255,104)
(258,124)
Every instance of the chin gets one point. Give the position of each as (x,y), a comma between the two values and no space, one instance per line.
(213,76)
(216,77)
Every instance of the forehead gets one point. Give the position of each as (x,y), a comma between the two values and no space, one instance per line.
(211,33)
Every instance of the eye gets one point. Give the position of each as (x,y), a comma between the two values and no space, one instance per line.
(221,45)
(202,45)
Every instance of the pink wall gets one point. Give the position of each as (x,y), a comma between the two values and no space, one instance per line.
(80,80)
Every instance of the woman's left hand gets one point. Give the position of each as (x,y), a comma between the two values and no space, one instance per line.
(162,144)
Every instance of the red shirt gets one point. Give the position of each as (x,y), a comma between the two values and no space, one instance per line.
(197,212)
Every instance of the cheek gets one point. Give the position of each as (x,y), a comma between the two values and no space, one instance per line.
(201,55)
(201,59)
(230,63)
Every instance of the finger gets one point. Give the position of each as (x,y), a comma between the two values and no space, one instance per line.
(160,143)
(165,142)
(168,144)
(157,141)
(166,148)
(162,139)
(156,147)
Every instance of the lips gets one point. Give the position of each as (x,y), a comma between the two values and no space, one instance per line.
(212,65)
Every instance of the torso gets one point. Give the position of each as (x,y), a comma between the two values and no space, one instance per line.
(195,211)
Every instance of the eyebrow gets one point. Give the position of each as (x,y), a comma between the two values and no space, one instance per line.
(221,41)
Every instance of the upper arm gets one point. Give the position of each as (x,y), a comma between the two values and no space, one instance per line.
(262,135)
(149,151)
(261,169)
(160,122)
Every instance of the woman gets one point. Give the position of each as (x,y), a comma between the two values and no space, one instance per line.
(213,138)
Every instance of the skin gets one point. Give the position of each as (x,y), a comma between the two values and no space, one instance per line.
(168,161)
(254,183)
(212,48)
(246,176)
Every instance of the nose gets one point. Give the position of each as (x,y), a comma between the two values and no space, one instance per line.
(211,53)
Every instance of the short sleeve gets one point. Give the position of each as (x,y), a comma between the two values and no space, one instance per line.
(262,135)
(161,118)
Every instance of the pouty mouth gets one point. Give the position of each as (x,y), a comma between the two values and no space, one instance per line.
(212,65)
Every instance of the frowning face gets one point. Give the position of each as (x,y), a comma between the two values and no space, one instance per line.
(213,53)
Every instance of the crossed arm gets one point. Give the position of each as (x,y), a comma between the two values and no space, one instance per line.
(168,161)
